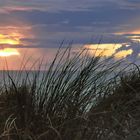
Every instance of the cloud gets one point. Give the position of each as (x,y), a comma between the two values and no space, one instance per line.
(45,23)
(63,5)
(123,54)
(47,5)
(103,50)
(133,1)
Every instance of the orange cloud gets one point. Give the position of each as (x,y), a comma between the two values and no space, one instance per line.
(107,50)
(134,31)
(7,39)
(123,54)
(7,9)
(137,31)
(135,38)
(11,35)
(134,35)
(104,50)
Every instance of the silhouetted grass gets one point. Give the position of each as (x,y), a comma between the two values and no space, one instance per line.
(77,98)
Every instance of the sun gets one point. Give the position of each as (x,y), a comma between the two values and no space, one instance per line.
(8,52)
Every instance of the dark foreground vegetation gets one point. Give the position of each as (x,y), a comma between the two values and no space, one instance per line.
(78,98)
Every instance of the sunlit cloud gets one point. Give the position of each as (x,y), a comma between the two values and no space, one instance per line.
(135,38)
(103,50)
(107,50)
(137,31)
(132,35)
(17,8)
(123,54)
(7,39)
(131,31)
(12,35)
(12,8)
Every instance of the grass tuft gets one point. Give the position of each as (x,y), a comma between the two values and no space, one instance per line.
(77,98)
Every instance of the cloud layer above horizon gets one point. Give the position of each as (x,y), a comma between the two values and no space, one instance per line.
(45,23)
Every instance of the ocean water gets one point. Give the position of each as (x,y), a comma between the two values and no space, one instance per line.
(19,77)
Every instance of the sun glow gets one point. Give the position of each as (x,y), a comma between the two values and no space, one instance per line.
(133,35)
(7,39)
(135,38)
(136,32)
(8,52)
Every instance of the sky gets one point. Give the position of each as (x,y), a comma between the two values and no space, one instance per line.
(37,27)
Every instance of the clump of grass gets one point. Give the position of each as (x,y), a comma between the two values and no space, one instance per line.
(77,98)
(56,105)
(117,115)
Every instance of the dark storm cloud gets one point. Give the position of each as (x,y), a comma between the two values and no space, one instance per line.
(79,25)
(105,14)
(101,13)
(108,17)
(133,1)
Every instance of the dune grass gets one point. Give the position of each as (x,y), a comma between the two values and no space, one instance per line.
(77,98)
